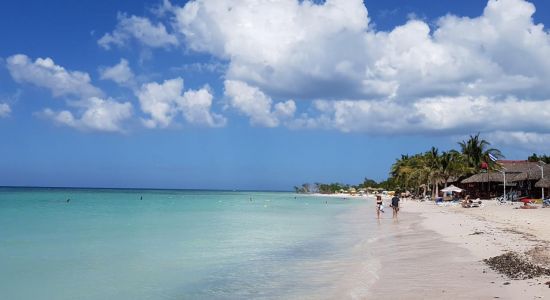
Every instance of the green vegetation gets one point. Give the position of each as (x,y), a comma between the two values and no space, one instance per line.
(427,171)
(545,158)
(430,170)
(332,188)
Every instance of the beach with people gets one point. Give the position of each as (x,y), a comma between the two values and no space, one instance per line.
(491,252)
(275,149)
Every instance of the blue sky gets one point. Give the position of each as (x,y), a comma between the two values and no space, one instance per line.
(239,94)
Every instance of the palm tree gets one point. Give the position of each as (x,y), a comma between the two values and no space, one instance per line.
(433,163)
(452,163)
(476,151)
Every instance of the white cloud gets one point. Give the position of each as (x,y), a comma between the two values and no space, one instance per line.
(438,114)
(5,110)
(141,29)
(293,48)
(195,106)
(165,101)
(43,72)
(357,116)
(253,103)
(119,73)
(158,100)
(531,141)
(97,114)
(361,79)
(280,46)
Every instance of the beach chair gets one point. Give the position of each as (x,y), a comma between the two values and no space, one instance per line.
(471,203)
(501,201)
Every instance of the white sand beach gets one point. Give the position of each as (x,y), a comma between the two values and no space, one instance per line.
(438,251)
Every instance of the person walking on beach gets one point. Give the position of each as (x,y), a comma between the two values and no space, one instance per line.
(379,206)
(395,205)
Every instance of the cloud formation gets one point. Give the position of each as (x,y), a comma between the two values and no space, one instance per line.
(530,141)
(458,75)
(453,75)
(5,110)
(43,72)
(140,29)
(96,114)
(430,115)
(307,50)
(256,105)
(163,102)
(119,73)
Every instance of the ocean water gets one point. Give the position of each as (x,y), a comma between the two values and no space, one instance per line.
(166,244)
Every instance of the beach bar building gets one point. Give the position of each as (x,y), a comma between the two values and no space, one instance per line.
(521,179)
(544,183)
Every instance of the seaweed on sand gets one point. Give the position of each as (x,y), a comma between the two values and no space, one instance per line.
(515,266)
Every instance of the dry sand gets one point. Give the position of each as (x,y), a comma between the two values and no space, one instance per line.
(435,252)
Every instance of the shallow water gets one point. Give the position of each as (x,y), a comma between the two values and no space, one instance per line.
(163,244)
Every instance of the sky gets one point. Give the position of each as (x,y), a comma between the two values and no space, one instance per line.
(262,95)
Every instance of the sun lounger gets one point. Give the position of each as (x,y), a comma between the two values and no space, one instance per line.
(470,203)
(528,206)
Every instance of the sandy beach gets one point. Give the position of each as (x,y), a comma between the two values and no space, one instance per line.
(438,251)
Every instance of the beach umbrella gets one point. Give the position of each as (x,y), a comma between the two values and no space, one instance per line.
(452,188)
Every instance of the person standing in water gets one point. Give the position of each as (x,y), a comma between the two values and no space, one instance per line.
(395,205)
(379,206)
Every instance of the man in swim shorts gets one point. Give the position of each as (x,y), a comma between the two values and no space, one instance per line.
(395,205)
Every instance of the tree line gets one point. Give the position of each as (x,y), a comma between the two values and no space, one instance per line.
(429,170)
(536,158)
(426,171)
(332,188)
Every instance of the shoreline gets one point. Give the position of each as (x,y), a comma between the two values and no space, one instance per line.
(434,252)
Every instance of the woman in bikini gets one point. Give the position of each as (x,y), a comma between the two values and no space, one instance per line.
(379,206)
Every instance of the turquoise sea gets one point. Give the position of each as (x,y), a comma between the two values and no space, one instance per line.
(172,244)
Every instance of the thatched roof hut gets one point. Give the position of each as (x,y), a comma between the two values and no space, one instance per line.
(544,182)
(530,171)
(493,176)
(515,171)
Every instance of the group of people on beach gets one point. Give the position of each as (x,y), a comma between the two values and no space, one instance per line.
(394,205)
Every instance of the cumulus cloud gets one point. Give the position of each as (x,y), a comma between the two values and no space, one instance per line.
(96,114)
(140,29)
(253,103)
(5,110)
(299,48)
(195,106)
(436,114)
(530,141)
(119,73)
(284,47)
(461,74)
(43,72)
(165,101)
(457,75)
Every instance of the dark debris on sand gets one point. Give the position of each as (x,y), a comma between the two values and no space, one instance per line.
(515,266)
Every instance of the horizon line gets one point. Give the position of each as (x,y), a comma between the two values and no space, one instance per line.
(140,188)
